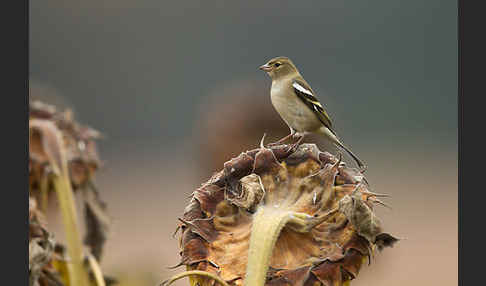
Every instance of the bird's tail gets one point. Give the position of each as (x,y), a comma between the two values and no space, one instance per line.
(331,135)
(360,163)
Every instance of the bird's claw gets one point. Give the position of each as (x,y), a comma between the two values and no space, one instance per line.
(292,148)
(274,144)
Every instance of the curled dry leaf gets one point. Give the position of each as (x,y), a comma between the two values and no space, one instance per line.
(97,221)
(249,193)
(361,216)
(41,249)
(229,220)
(44,144)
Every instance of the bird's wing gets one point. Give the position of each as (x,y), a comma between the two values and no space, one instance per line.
(305,93)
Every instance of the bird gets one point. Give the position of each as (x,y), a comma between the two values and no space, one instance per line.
(297,104)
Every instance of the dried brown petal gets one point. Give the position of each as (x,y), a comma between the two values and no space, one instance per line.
(294,277)
(248,194)
(367,224)
(41,245)
(97,222)
(46,143)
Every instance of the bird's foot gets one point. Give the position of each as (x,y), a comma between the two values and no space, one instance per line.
(296,144)
(282,140)
(297,135)
(301,137)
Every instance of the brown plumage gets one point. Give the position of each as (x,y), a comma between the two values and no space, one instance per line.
(295,101)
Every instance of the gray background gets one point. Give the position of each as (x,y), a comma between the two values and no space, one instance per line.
(139,70)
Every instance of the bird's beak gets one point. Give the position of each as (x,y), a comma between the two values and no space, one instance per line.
(266,68)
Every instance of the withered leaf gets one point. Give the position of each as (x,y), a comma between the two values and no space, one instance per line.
(97,221)
(385,240)
(46,143)
(250,194)
(364,220)
(361,216)
(40,252)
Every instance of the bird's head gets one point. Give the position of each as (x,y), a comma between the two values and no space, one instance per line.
(279,67)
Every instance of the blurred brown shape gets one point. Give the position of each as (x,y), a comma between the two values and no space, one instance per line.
(325,245)
(234,118)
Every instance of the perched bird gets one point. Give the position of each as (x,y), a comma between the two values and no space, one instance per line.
(297,104)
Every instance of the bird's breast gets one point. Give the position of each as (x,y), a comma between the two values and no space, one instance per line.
(292,110)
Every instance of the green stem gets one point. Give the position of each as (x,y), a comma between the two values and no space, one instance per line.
(267,224)
(95,267)
(62,184)
(194,273)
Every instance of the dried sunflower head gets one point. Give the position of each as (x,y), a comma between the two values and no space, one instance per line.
(62,156)
(55,136)
(280,217)
(79,143)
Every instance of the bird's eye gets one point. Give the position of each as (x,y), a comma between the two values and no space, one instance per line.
(277,65)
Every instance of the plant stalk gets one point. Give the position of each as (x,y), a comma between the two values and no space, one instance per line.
(267,224)
(62,185)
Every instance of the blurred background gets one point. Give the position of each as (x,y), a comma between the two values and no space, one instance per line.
(174,86)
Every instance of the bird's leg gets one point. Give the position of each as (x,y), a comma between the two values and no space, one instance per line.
(301,137)
(292,134)
(296,144)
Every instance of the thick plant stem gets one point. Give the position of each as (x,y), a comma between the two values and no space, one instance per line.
(78,276)
(62,184)
(267,224)
(95,267)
